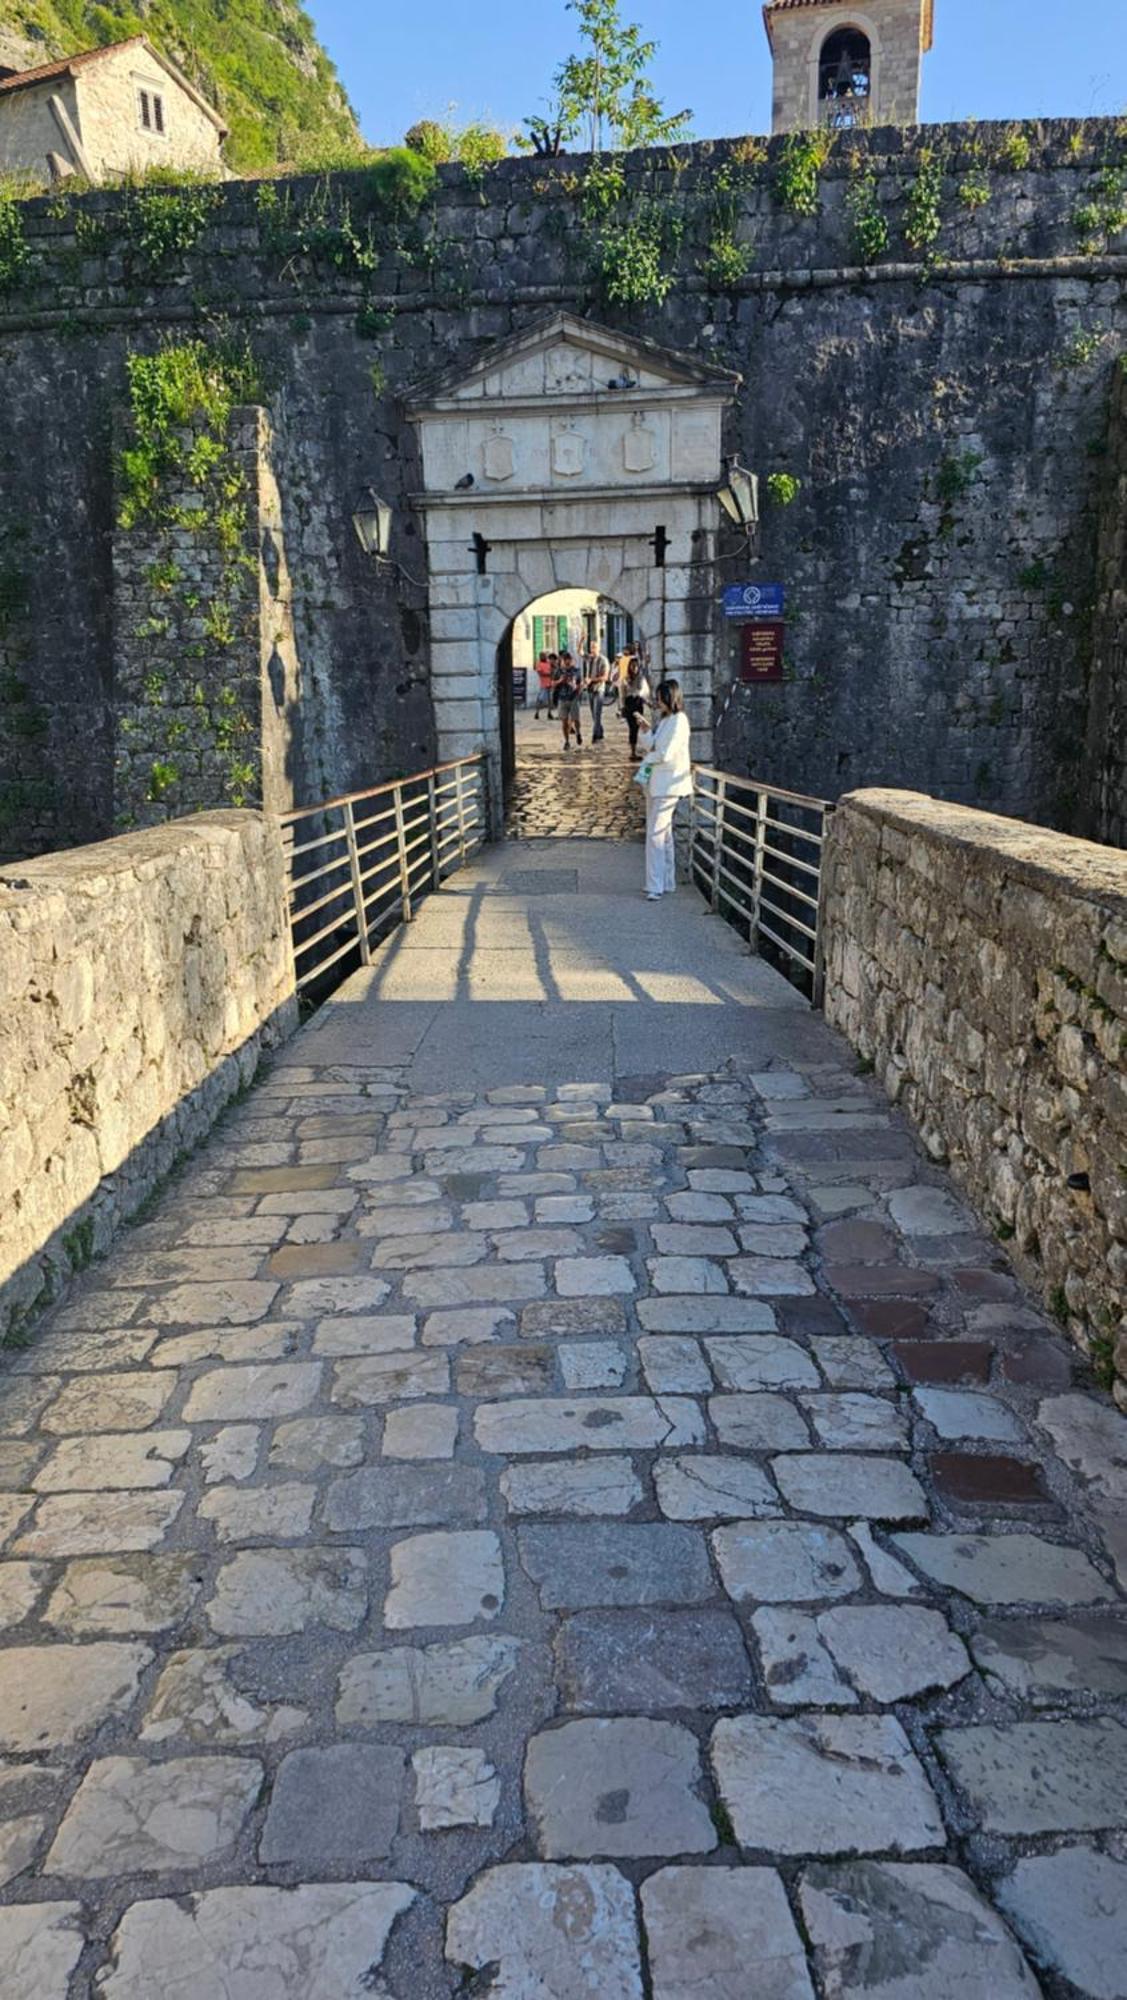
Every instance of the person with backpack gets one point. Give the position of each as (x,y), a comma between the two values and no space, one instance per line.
(596,675)
(569,699)
(667,775)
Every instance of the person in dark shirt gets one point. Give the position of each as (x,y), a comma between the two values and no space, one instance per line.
(569,699)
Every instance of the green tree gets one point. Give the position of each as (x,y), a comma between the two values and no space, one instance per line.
(605,92)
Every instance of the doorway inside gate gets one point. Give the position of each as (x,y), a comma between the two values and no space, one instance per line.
(551,790)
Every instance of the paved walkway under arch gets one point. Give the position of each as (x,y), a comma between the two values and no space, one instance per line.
(560,1499)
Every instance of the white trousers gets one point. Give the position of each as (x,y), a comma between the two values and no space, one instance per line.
(660,860)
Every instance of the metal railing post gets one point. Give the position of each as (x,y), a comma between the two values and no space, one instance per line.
(717,840)
(357,884)
(401,851)
(432,820)
(818,971)
(461,805)
(760,854)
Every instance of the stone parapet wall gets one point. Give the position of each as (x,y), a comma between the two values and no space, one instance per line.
(142,980)
(981,966)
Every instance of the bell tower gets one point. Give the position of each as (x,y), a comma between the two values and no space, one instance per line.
(839,65)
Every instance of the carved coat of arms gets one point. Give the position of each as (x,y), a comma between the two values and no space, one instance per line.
(497,456)
(639,446)
(568,451)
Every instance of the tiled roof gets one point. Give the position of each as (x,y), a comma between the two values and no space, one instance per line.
(26,79)
(779,6)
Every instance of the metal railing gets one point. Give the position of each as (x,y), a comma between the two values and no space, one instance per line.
(358,865)
(757,857)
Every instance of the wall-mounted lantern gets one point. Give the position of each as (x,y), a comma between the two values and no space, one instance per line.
(739,496)
(373,526)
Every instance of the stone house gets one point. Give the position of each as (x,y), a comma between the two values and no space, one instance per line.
(840,65)
(106,112)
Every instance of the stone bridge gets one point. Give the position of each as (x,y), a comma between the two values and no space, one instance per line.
(565,1492)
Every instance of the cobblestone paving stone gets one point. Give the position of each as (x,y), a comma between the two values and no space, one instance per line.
(586,791)
(368,1630)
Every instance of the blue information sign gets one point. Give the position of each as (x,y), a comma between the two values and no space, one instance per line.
(754,600)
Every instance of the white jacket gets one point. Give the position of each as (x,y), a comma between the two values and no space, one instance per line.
(671,775)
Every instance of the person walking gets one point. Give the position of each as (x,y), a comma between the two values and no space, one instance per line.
(668,774)
(637,694)
(569,699)
(553,685)
(596,676)
(543,685)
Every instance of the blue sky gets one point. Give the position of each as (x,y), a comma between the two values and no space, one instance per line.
(992,59)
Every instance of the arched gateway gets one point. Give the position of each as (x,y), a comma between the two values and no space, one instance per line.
(570,455)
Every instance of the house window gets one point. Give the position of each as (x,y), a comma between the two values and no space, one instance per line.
(150,111)
(844,77)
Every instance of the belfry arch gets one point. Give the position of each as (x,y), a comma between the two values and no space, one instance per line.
(568,456)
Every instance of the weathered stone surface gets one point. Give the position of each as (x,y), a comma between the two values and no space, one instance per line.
(852,1422)
(886,1930)
(590,1486)
(549,1931)
(851,1362)
(621,1423)
(1006,1569)
(445,1579)
(231,1453)
(767,1362)
(129,1816)
(557,1318)
(1040,1777)
(324,1938)
(52,1696)
(592,1364)
(824,1784)
(760,1422)
(639,1662)
(124,1594)
(503,1370)
(364,1333)
(109,1402)
(890,1576)
(724,1932)
(401,1496)
(891,1652)
(674,1364)
(40,1945)
(334,1803)
(449,1686)
(197,1698)
(784,1562)
(616,1563)
(798,1671)
(484,1284)
(374,1379)
(280,1513)
(231,1395)
(230,1304)
(20,1586)
(1070,1909)
(593,1277)
(626,1787)
(469,1326)
(870,1489)
(308,1444)
(959,1413)
(121,1459)
(702,1314)
(1042,1658)
(454,1787)
(715,1487)
(770,1277)
(78,1524)
(425,1430)
(264,1592)
(1091,1438)
(19,1839)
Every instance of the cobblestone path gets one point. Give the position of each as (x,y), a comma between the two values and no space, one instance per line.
(550,1538)
(584,791)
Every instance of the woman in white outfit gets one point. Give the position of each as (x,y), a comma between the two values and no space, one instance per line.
(666,759)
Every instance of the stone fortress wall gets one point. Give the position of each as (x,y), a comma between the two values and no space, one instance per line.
(142,981)
(981,968)
(945,412)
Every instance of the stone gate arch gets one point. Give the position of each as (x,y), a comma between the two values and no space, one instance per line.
(568,456)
